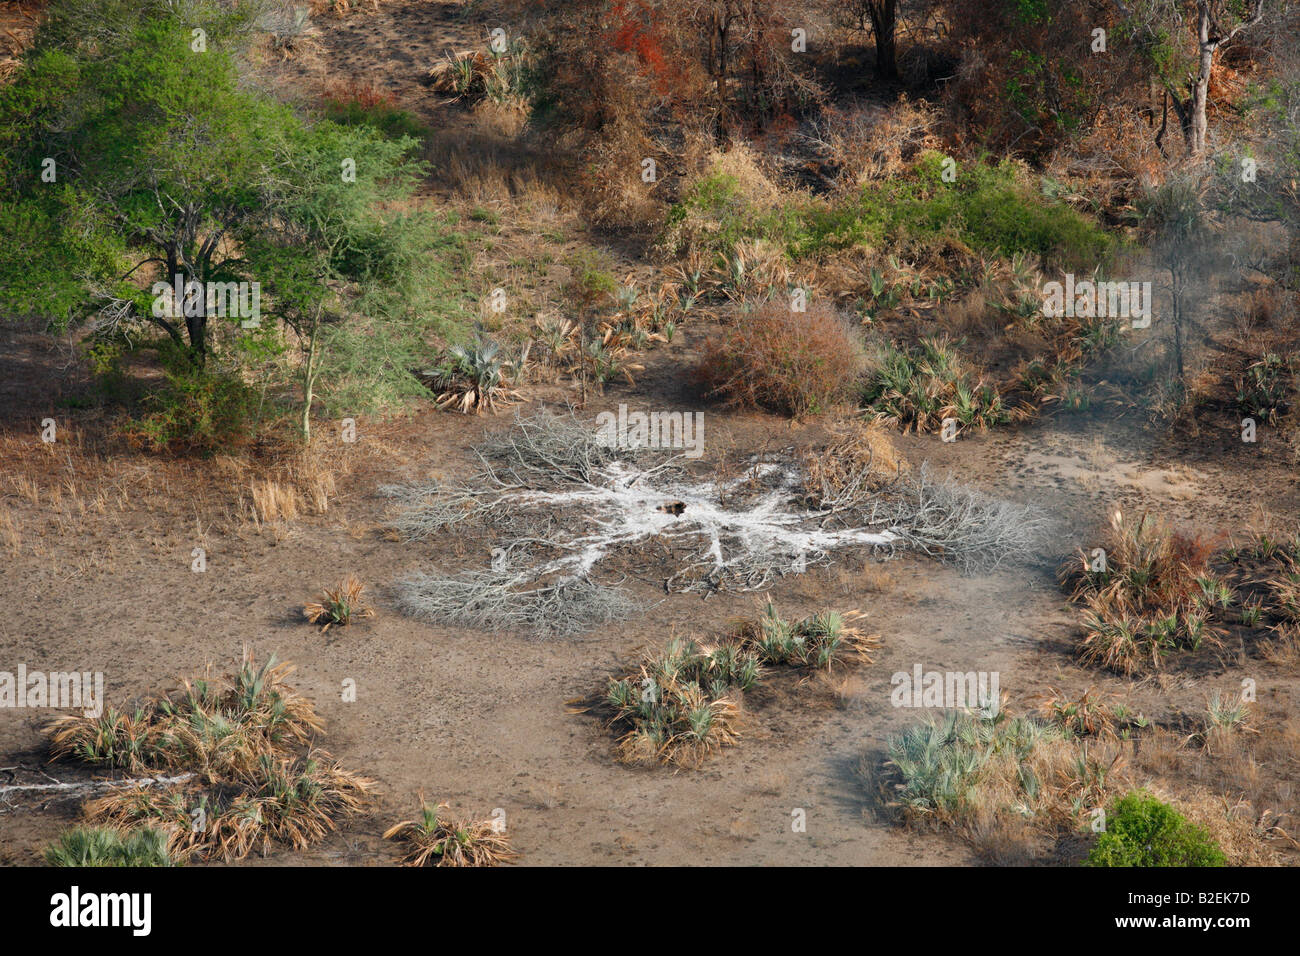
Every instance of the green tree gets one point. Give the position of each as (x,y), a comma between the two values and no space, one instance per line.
(169,171)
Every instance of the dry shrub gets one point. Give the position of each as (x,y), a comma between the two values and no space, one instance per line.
(438,840)
(861,457)
(609,179)
(797,363)
(1091,714)
(9,534)
(862,141)
(339,604)
(1154,594)
(341,8)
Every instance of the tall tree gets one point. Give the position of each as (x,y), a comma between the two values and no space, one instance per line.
(1215,24)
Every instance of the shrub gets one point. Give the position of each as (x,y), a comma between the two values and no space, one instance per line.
(106,846)
(339,605)
(196,409)
(380,112)
(816,641)
(240,749)
(1142,831)
(860,461)
(990,209)
(1265,389)
(438,840)
(1153,594)
(684,703)
(938,766)
(798,363)
(918,388)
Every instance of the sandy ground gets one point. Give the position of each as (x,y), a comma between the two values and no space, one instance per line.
(481,719)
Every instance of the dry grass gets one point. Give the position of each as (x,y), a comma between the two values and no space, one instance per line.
(10,537)
(439,840)
(274,501)
(1154,594)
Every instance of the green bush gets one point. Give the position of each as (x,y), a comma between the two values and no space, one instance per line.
(390,121)
(1142,831)
(196,409)
(917,388)
(105,846)
(991,209)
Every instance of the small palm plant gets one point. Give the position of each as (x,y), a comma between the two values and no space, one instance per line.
(473,377)
(339,604)
(437,840)
(109,846)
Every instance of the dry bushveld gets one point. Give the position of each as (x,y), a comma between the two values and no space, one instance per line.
(485,356)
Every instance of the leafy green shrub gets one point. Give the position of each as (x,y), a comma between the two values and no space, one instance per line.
(107,846)
(1142,831)
(195,410)
(990,209)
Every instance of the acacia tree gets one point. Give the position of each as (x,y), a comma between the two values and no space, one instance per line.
(145,134)
(328,255)
(168,170)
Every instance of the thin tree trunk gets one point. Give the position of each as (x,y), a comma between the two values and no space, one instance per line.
(309,383)
(1201,87)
